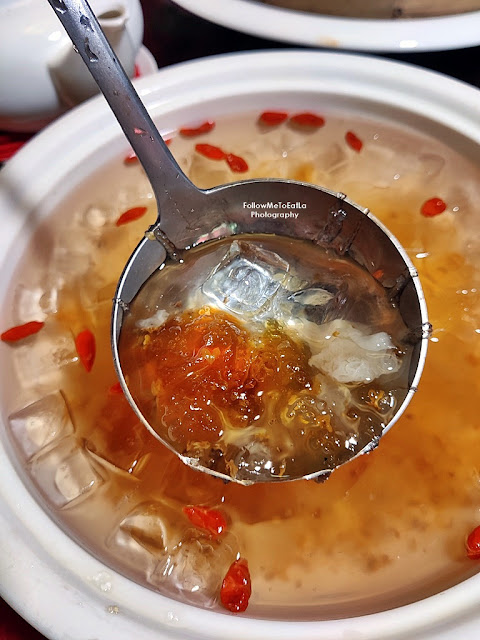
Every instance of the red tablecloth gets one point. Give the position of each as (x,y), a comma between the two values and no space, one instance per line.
(13,627)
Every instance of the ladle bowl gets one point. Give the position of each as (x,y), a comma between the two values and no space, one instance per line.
(188,216)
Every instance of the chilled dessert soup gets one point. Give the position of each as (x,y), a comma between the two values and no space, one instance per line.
(264,357)
(387,528)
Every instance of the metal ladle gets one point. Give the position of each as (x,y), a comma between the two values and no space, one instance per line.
(188,215)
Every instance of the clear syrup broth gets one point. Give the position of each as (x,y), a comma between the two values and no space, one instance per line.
(386,529)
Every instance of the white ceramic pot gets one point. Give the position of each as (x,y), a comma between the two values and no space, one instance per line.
(45,575)
(40,74)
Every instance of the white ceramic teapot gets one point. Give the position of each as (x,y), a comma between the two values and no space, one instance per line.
(41,75)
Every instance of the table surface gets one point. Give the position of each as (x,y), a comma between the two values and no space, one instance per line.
(172,35)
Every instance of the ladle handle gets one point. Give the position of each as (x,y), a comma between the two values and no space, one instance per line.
(169,183)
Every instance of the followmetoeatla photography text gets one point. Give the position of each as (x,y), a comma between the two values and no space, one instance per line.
(274,210)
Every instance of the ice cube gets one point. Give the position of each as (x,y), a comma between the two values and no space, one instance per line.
(331,158)
(40,358)
(94,290)
(34,302)
(73,252)
(120,445)
(205,173)
(63,472)
(188,489)
(144,535)
(349,354)
(196,566)
(40,423)
(387,160)
(247,279)
(430,165)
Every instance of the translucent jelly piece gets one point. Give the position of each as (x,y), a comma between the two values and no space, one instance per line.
(350,355)
(255,463)
(41,423)
(312,297)
(40,358)
(195,567)
(318,303)
(143,536)
(64,473)
(247,279)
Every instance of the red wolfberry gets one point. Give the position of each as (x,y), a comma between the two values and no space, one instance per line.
(353,141)
(115,389)
(86,348)
(209,151)
(236,587)
(131,158)
(196,131)
(131,215)
(236,163)
(136,71)
(472,544)
(272,118)
(379,273)
(308,120)
(433,207)
(21,331)
(211,520)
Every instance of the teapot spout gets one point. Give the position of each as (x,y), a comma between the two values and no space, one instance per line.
(71,78)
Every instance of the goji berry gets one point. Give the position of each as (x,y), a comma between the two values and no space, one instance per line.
(131,158)
(236,587)
(433,207)
(115,389)
(236,163)
(210,151)
(353,141)
(472,544)
(21,331)
(308,120)
(379,273)
(131,215)
(211,520)
(196,131)
(86,348)
(272,118)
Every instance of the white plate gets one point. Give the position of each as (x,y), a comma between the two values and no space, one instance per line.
(314,30)
(46,576)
